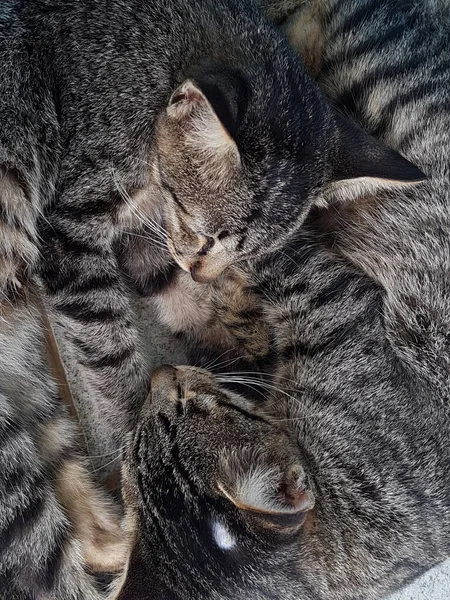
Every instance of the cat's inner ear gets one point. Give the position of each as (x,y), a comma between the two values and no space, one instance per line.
(278,499)
(204,127)
(362,165)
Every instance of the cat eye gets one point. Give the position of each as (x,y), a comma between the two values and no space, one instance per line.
(223,234)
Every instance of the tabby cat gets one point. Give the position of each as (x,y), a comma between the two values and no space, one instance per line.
(82,84)
(339,486)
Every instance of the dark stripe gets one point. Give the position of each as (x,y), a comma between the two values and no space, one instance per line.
(10,429)
(335,290)
(24,518)
(167,426)
(50,568)
(109,360)
(372,44)
(92,208)
(155,283)
(57,278)
(299,349)
(193,408)
(83,312)
(370,79)
(356,17)
(14,480)
(342,333)
(250,314)
(69,244)
(414,94)
(242,411)
(334,340)
(98,281)
(294,289)
(255,213)
(183,473)
(179,409)
(241,242)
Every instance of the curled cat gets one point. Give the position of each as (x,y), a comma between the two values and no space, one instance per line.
(338,487)
(83,84)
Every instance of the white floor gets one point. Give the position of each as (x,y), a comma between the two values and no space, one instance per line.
(434,585)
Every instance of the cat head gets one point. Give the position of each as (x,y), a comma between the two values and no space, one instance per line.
(243,157)
(216,494)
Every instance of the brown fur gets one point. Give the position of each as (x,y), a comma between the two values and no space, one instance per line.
(306,34)
(223,316)
(18,252)
(95,522)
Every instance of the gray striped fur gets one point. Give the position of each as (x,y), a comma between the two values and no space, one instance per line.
(358,301)
(54,523)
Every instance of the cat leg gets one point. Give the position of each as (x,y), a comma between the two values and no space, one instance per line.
(89,303)
(95,520)
(54,524)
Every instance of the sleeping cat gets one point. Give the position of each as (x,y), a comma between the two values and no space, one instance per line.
(82,84)
(339,486)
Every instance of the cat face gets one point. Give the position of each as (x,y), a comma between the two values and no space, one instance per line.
(239,168)
(216,494)
(227,160)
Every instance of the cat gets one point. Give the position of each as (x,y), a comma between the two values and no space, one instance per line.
(338,487)
(56,524)
(83,84)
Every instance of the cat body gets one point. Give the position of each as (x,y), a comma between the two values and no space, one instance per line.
(83,85)
(54,521)
(338,487)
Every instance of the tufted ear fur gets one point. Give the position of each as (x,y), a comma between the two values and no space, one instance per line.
(279,498)
(361,166)
(205,129)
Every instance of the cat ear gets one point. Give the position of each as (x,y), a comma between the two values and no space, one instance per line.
(362,165)
(279,500)
(205,128)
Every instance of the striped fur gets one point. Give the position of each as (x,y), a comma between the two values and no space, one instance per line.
(55,524)
(359,304)
(80,98)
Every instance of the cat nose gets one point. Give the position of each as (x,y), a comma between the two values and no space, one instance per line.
(198,275)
